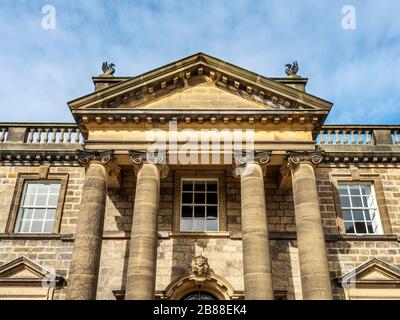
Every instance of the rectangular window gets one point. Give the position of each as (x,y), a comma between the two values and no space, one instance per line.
(38,207)
(359,210)
(199,205)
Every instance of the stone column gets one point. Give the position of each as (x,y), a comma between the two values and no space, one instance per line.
(256,252)
(141,273)
(313,260)
(82,281)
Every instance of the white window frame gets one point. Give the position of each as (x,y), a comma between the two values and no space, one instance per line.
(22,206)
(203,205)
(374,206)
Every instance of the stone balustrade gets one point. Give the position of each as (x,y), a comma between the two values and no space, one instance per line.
(358,135)
(40,133)
(69,133)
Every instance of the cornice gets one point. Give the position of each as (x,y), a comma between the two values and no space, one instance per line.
(35,157)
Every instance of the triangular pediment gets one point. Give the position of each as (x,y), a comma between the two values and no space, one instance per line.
(202,96)
(372,272)
(23,268)
(199,82)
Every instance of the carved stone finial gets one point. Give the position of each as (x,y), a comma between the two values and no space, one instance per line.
(104,157)
(292,69)
(295,158)
(108,69)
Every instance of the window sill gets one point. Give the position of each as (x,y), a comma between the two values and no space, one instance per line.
(36,236)
(217,234)
(366,237)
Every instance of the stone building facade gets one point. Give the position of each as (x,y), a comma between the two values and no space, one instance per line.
(272,205)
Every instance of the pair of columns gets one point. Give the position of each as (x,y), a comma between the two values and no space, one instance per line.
(141,273)
(314,270)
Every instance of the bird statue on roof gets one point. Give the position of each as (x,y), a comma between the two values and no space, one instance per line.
(108,69)
(292,69)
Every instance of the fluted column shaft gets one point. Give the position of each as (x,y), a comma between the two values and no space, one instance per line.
(310,236)
(256,251)
(141,274)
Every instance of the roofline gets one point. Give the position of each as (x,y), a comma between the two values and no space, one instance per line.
(198,58)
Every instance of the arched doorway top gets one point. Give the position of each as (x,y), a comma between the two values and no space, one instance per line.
(200,278)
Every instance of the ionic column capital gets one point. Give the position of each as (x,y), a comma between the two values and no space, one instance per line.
(85,157)
(106,159)
(294,158)
(138,158)
(241,158)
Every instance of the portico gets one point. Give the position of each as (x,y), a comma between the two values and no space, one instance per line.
(123,119)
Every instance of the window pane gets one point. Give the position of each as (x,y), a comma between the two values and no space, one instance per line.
(199,224)
(367,215)
(52,200)
(36,226)
(51,214)
(345,202)
(29,200)
(187,185)
(349,227)
(24,226)
(43,188)
(55,188)
(187,197)
(347,215)
(358,215)
(212,186)
(212,225)
(199,211)
(41,200)
(199,198)
(360,227)
(354,189)
(365,189)
(212,198)
(186,224)
(370,227)
(39,214)
(199,186)
(31,187)
(48,226)
(26,213)
(187,211)
(212,212)
(343,190)
(356,202)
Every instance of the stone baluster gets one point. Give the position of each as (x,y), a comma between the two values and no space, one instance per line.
(353,140)
(344,134)
(53,135)
(2,135)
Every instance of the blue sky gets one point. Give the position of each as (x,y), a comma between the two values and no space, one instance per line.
(358,70)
